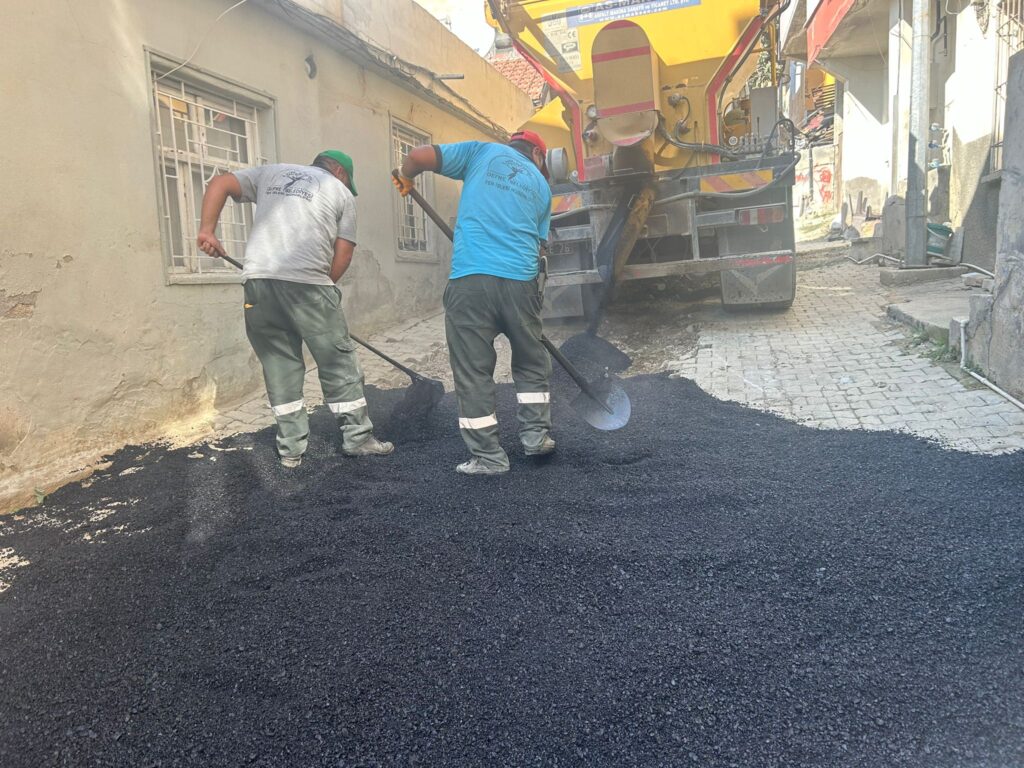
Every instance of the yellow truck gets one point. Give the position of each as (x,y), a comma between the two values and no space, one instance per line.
(665,160)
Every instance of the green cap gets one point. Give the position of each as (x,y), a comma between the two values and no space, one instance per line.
(345,162)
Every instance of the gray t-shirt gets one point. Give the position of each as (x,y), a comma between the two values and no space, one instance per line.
(300,212)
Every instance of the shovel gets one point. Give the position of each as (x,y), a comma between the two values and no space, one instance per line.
(603,404)
(422,394)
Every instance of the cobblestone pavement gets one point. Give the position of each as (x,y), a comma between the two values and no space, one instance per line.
(833,361)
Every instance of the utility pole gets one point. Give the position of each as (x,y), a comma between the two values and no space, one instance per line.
(917,171)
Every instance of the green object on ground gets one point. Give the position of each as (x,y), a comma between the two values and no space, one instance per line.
(938,239)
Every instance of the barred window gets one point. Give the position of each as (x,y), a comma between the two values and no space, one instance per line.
(201,132)
(411,224)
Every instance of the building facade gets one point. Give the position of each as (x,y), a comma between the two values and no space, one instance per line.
(115,329)
(866,44)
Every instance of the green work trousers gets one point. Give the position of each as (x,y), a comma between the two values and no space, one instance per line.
(477,309)
(279,316)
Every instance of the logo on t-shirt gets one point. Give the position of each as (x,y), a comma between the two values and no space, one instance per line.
(511,175)
(294,182)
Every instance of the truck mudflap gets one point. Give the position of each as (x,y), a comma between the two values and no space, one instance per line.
(765,280)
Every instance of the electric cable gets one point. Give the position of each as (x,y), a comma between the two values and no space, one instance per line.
(202,40)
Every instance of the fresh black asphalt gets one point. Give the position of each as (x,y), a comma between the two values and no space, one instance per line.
(710,586)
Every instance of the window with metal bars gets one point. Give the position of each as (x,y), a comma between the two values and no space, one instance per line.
(201,132)
(411,224)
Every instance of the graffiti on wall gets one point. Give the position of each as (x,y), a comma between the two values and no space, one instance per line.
(816,188)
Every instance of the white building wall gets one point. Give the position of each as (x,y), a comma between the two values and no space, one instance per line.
(867,133)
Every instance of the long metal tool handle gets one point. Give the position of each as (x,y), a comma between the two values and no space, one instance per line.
(404,369)
(574,374)
(233,262)
(428,209)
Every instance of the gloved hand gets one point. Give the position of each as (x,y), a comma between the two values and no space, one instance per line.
(402,184)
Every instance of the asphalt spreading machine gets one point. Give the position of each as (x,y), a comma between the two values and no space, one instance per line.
(668,159)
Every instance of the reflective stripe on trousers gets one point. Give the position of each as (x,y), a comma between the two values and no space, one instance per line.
(533,398)
(347,407)
(285,408)
(479,423)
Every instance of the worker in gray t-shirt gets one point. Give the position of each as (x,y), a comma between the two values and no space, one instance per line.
(301,243)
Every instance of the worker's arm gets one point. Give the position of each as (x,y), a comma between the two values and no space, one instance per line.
(343,250)
(216,195)
(419,159)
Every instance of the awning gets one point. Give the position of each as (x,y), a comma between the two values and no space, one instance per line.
(827,16)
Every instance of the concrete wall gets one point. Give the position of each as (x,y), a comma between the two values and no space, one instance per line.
(899,53)
(867,136)
(98,349)
(996,328)
(876,117)
(969,107)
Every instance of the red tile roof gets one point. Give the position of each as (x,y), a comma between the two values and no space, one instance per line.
(522,74)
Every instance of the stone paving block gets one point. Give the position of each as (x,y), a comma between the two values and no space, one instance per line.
(837,359)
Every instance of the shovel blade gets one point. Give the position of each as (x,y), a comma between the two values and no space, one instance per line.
(420,398)
(610,407)
(590,352)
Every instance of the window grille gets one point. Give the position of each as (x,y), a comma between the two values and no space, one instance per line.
(199,134)
(412,222)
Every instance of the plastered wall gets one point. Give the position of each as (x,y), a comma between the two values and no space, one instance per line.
(98,350)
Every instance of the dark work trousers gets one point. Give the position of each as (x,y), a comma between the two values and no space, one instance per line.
(279,317)
(477,309)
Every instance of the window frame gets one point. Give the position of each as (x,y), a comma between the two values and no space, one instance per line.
(426,188)
(263,152)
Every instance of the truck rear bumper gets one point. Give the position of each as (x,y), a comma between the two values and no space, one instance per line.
(671,268)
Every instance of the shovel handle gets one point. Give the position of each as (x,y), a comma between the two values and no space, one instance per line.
(232,262)
(408,371)
(404,369)
(428,209)
(574,374)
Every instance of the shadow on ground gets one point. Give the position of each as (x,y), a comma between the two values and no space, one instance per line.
(710,586)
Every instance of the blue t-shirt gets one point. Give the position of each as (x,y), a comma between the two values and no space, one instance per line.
(504,212)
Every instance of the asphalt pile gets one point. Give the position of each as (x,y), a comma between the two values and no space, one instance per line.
(710,586)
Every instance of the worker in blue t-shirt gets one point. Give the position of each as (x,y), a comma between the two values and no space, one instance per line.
(504,217)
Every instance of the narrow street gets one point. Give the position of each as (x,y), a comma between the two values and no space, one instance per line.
(766,509)
(833,361)
(713,585)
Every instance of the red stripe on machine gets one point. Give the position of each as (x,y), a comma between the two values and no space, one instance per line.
(763,261)
(623,53)
(642,106)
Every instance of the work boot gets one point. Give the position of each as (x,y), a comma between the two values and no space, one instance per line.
(371,446)
(476,467)
(291,462)
(547,445)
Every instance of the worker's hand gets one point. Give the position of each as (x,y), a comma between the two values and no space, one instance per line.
(402,184)
(210,245)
